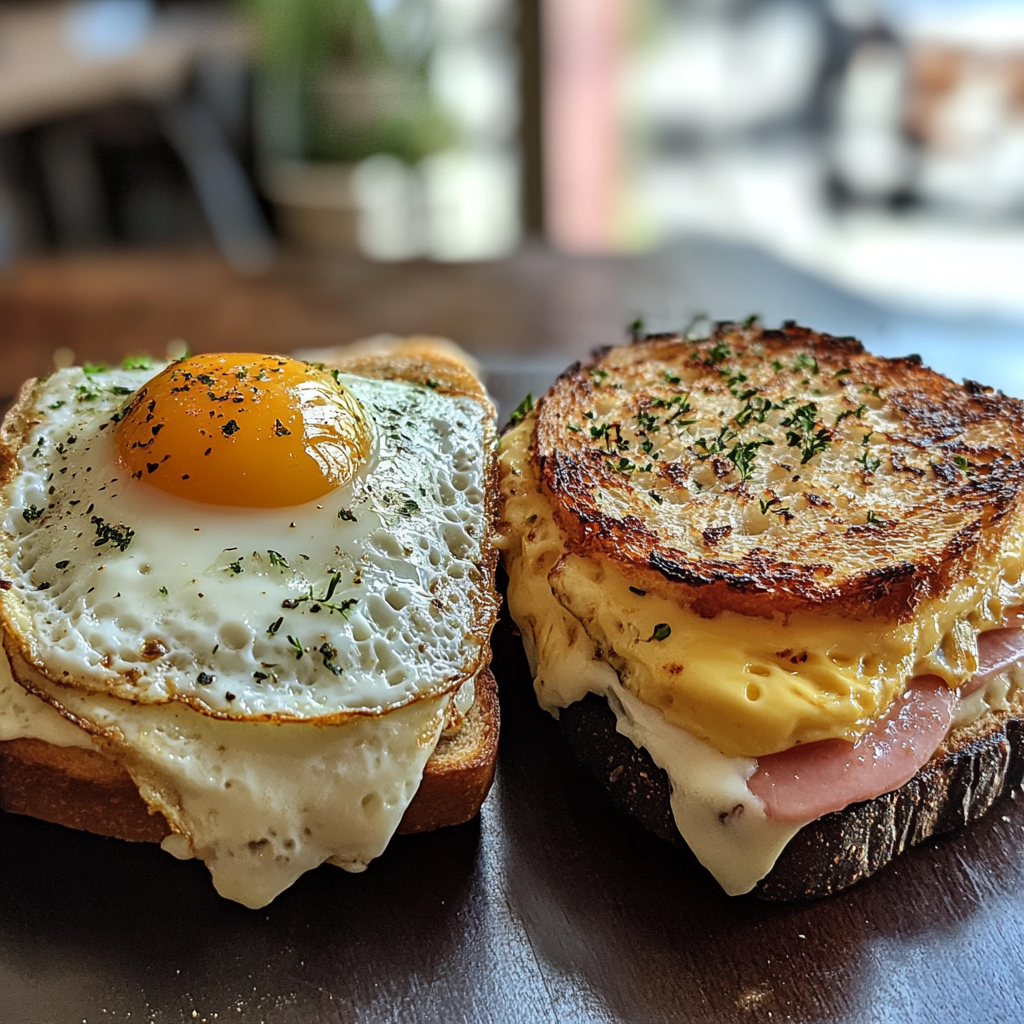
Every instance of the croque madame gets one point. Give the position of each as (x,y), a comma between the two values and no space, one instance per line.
(768,581)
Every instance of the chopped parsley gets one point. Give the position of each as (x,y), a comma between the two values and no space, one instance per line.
(296,647)
(106,533)
(164,592)
(31,513)
(91,369)
(768,505)
(742,456)
(277,560)
(521,411)
(229,428)
(844,372)
(275,626)
(662,631)
(142,362)
(873,520)
(347,515)
(858,412)
(317,604)
(961,463)
(804,361)
(329,653)
(718,353)
(280,430)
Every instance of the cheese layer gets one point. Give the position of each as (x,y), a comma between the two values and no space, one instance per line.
(746,686)
(260,803)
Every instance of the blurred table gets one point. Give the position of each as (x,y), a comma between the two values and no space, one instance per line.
(550,907)
(551,308)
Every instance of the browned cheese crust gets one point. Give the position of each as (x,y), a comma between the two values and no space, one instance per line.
(776,470)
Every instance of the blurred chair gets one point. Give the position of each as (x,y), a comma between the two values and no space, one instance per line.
(60,61)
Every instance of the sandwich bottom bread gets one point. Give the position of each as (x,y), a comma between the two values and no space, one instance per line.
(246,605)
(771,587)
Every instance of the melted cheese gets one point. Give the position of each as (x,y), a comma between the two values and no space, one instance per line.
(262,803)
(23,716)
(746,686)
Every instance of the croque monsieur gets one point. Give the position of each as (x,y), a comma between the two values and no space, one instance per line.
(247,604)
(768,582)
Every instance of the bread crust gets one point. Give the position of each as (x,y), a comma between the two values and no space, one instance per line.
(796,472)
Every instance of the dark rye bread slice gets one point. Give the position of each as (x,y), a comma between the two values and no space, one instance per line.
(974,766)
(82,789)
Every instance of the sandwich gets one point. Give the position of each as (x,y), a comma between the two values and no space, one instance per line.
(770,585)
(247,603)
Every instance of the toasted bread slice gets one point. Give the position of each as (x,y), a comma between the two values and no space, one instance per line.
(83,789)
(667,455)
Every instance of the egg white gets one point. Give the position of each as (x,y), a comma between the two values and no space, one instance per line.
(226,608)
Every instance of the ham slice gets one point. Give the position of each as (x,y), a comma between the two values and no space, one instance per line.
(805,782)
(998,649)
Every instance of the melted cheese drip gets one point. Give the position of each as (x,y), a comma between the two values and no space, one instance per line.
(262,803)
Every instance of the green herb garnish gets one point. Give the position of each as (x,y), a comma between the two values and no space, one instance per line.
(106,533)
(521,411)
(805,362)
(662,631)
(329,653)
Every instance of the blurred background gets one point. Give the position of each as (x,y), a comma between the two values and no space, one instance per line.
(855,163)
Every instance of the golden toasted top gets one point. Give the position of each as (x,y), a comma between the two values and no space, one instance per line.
(768,471)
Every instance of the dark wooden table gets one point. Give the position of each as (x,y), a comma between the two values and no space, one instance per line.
(551,907)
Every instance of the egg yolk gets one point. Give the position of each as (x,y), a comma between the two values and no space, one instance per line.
(243,429)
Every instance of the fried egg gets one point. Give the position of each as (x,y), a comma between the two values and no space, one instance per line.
(197,548)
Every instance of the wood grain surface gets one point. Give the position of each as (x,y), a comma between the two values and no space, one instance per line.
(551,907)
